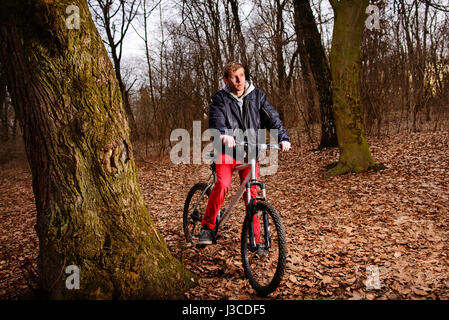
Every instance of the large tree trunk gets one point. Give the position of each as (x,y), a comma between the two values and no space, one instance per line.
(345,59)
(90,210)
(309,37)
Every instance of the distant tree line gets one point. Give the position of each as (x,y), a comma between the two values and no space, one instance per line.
(285,46)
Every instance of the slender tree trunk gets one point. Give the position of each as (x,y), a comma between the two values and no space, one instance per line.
(307,33)
(309,82)
(90,209)
(147,131)
(278,42)
(346,55)
(3,107)
(14,127)
(238,29)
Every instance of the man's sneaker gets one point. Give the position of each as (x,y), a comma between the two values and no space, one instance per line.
(206,236)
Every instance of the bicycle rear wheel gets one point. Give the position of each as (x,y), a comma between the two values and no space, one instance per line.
(264,266)
(194,209)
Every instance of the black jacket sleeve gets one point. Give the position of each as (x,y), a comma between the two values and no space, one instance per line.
(216,114)
(271,120)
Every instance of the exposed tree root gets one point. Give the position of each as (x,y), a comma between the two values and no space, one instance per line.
(338,168)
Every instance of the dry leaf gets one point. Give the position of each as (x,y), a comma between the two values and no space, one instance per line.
(326,279)
(419,292)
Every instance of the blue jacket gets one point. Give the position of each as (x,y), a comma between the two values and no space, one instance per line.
(256,113)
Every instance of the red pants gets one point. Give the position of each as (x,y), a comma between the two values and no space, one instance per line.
(224,171)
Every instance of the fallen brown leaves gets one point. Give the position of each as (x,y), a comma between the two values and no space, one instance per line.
(395,220)
(18,240)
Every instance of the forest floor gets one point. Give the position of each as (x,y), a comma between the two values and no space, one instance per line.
(394,221)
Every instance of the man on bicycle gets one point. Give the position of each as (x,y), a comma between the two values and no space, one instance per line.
(238,106)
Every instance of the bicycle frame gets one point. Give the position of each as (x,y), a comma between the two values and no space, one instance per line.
(248,182)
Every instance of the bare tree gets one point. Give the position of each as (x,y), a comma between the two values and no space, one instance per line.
(114,18)
(238,30)
(314,55)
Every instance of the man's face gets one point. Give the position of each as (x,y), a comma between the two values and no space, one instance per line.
(236,81)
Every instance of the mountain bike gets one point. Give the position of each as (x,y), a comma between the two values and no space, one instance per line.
(264,262)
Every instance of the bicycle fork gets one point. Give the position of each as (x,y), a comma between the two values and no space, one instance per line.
(251,212)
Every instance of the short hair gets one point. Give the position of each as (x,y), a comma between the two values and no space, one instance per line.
(232,66)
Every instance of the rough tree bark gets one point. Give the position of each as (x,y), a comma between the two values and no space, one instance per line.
(345,60)
(309,37)
(90,209)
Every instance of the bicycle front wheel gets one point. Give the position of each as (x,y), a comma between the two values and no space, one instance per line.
(194,209)
(264,265)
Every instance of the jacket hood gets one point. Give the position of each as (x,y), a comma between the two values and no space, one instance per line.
(249,87)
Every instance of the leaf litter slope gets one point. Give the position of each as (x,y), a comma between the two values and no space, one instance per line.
(394,220)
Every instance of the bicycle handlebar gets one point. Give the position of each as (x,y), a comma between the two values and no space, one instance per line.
(261,146)
(271,146)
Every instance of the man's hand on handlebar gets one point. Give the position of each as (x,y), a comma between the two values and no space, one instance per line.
(285,145)
(227,140)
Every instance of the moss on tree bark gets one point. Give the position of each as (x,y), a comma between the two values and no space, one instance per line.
(90,209)
(345,60)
